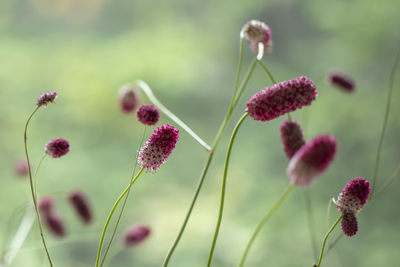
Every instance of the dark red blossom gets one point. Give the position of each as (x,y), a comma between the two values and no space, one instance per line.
(148,114)
(354,196)
(349,224)
(129,98)
(81,205)
(291,136)
(46,98)
(54,224)
(281,98)
(136,235)
(57,147)
(341,81)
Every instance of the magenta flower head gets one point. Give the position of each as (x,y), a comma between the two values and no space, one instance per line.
(21,167)
(136,235)
(291,137)
(54,224)
(341,81)
(46,98)
(311,160)
(45,205)
(148,114)
(81,205)
(354,196)
(281,98)
(256,31)
(349,224)
(129,98)
(57,147)
(157,149)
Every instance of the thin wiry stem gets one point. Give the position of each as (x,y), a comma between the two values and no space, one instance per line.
(123,204)
(33,187)
(326,238)
(147,90)
(389,181)
(221,207)
(385,120)
(264,220)
(112,212)
(311,225)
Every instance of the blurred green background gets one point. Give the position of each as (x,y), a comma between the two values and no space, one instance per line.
(187,52)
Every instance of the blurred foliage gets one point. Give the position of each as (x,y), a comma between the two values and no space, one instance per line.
(187,51)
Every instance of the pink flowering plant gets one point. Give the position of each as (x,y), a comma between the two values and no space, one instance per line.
(308,159)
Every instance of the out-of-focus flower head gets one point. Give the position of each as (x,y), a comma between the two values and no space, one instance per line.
(136,235)
(148,114)
(292,137)
(129,98)
(46,98)
(57,147)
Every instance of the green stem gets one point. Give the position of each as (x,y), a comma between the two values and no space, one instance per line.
(147,90)
(267,216)
(221,207)
(244,82)
(33,187)
(389,181)
(385,120)
(326,238)
(311,225)
(123,204)
(328,213)
(36,172)
(111,214)
(210,156)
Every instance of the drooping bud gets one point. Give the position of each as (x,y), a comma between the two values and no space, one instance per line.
(291,137)
(256,31)
(268,47)
(136,235)
(354,196)
(349,224)
(341,81)
(148,114)
(57,147)
(46,98)
(158,147)
(281,98)
(81,205)
(21,167)
(129,98)
(311,160)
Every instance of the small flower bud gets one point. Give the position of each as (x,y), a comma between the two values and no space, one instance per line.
(148,114)
(292,137)
(79,201)
(349,224)
(311,160)
(354,196)
(341,81)
(46,98)
(281,98)
(158,147)
(57,147)
(21,167)
(256,31)
(54,224)
(136,235)
(129,98)
(45,205)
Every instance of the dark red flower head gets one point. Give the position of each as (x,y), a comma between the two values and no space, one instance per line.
(354,196)
(136,235)
(46,98)
(148,114)
(129,98)
(341,81)
(54,224)
(57,147)
(81,205)
(349,224)
(291,137)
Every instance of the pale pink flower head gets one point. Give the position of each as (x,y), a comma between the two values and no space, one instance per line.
(341,80)
(136,235)
(54,224)
(45,205)
(57,147)
(148,114)
(311,160)
(21,167)
(281,98)
(349,224)
(46,98)
(81,205)
(353,196)
(156,150)
(256,31)
(129,98)
(291,136)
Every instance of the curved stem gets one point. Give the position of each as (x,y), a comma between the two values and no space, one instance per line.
(385,120)
(33,187)
(221,207)
(326,238)
(244,83)
(210,156)
(267,216)
(111,214)
(35,175)
(147,90)
(123,204)
(389,181)
(311,225)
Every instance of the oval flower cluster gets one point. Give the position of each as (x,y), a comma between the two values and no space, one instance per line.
(281,98)
(57,147)
(81,206)
(129,98)
(350,201)
(158,147)
(148,114)
(136,235)
(291,136)
(46,98)
(341,80)
(53,222)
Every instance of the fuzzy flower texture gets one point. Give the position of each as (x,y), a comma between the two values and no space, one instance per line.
(46,98)
(148,114)
(281,98)
(292,137)
(257,32)
(311,160)
(350,201)
(158,147)
(57,147)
